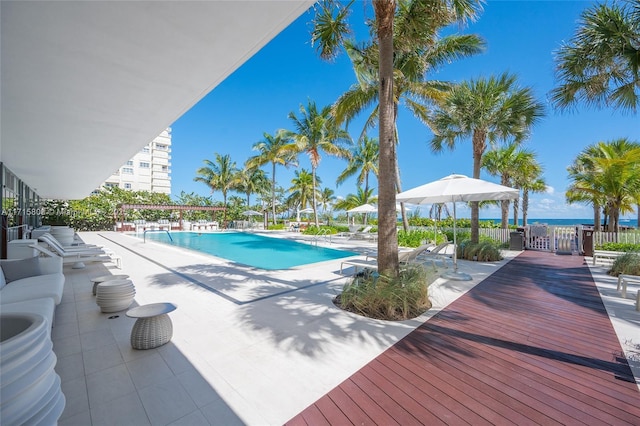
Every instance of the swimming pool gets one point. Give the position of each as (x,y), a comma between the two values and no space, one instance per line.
(251,249)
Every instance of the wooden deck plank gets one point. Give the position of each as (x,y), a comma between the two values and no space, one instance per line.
(531,344)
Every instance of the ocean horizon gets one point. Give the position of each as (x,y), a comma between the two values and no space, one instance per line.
(566,222)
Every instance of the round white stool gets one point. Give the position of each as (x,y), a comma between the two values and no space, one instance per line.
(153,327)
(115,295)
(103,278)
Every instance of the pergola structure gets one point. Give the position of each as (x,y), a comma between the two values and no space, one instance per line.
(171,207)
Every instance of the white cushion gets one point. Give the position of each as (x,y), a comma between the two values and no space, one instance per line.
(50,285)
(23,268)
(44,306)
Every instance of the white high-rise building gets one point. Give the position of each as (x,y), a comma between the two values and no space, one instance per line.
(148,170)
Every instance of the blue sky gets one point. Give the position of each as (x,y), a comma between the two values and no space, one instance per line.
(521,37)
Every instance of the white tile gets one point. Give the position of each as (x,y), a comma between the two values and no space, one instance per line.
(67,346)
(148,370)
(80,419)
(64,330)
(195,418)
(75,393)
(96,339)
(219,413)
(175,359)
(107,385)
(126,410)
(198,388)
(166,402)
(70,367)
(102,358)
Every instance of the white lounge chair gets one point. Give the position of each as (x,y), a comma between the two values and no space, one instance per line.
(77,258)
(52,242)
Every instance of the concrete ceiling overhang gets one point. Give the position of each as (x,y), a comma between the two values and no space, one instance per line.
(85,85)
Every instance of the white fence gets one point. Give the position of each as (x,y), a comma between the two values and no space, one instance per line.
(631,237)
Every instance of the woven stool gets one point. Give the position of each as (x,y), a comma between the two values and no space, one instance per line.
(115,295)
(103,278)
(153,326)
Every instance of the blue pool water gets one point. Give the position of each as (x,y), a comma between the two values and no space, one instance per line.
(251,249)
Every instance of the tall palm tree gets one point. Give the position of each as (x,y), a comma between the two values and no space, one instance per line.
(330,33)
(219,175)
(252,180)
(485,110)
(528,177)
(362,196)
(302,191)
(275,149)
(363,161)
(316,132)
(415,54)
(326,199)
(607,174)
(505,162)
(600,65)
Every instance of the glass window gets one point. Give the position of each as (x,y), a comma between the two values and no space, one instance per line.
(144,165)
(127,186)
(127,170)
(145,149)
(130,163)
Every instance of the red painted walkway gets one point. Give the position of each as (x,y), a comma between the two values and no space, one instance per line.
(531,344)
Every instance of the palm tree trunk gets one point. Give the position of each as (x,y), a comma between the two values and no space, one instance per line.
(387,232)
(479,139)
(403,210)
(273,193)
(525,206)
(315,212)
(597,219)
(504,211)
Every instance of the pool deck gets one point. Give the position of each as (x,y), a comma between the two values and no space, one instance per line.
(259,347)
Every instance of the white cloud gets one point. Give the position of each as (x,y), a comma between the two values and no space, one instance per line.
(549,189)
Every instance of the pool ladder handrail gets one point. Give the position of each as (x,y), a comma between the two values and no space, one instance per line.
(325,232)
(144,234)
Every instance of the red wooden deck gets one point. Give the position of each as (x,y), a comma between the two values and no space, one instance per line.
(532,344)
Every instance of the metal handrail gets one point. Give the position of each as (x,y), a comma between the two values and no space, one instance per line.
(144,234)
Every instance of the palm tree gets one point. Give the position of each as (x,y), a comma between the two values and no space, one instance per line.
(275,149)
(600,65)
(302,189)
(528,177)
(485,109)
(362,196)
(607,174)
(506,162)
(221,175)
(363,161)
(414,57)
(326,199)
(252,180)
(316,132)
(330,33)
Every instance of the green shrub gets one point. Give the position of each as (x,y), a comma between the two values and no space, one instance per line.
(417,237)
(313,230)
(625,247)
(278,227)
(628,263)
(487,250)
(378,296)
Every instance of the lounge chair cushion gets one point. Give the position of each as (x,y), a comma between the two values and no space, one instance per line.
(23,268)
(49,285)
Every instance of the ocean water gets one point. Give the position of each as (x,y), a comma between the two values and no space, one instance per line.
(567,222)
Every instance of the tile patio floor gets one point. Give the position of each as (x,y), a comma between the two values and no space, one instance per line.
(249,346)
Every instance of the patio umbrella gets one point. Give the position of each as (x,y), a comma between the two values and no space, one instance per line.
(307,210)
(365,208)
(452,189)
(252,213)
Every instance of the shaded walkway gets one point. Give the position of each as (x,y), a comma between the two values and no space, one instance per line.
(532,344)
